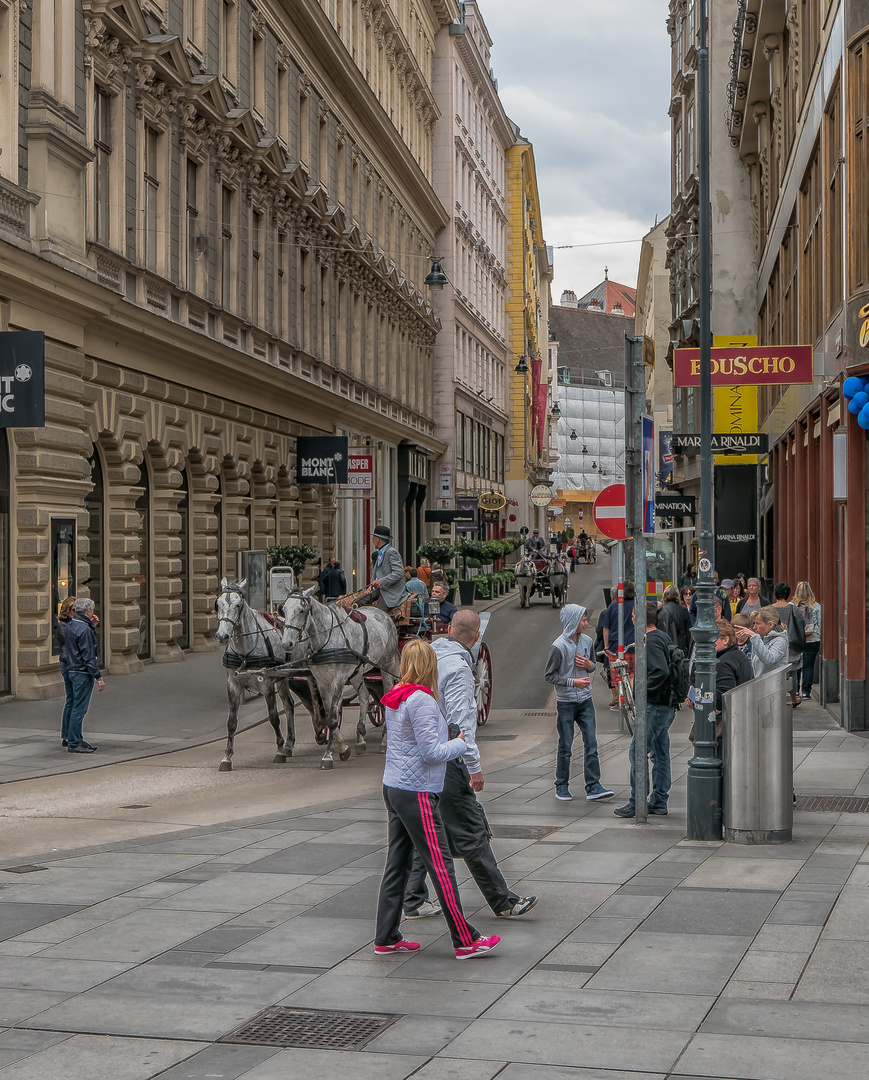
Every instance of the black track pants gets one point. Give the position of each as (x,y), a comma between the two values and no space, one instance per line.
(414,823)
(468,835)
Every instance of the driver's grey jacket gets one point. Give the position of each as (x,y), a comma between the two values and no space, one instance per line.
(388,568)
(456,691)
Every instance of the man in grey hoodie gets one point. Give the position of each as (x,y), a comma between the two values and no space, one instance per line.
(464,819)
(572,653)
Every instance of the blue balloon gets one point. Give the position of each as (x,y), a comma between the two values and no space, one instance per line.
(863,418)
(852,386)
(859,400)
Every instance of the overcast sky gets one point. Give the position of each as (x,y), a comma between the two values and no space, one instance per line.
(588,83)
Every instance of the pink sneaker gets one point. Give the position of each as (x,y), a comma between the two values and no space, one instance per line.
(480,947)
(399,946)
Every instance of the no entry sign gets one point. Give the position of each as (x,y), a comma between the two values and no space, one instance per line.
(609,512)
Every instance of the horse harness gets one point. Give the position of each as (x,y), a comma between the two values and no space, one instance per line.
(347,655)
(234,661)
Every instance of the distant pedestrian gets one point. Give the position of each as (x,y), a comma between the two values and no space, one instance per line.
(570,654)
(660,711)
(674,620)
(83,662)
(753,601)
(795,625)
(423,572)
(572,553)
(332,581)
(413,584)
(689,577)
(742,621)
(418,748)
(805,601)
(67,610)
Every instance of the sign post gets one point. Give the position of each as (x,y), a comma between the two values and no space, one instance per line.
(640,507)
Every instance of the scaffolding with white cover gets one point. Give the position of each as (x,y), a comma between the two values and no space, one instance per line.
(590,439)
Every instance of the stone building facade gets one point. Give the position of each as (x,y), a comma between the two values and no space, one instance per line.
(220,213)
(471,356)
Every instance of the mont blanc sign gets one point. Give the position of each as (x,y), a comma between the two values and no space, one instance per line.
(22,378)
(755,442)
(321,459)
(746,366)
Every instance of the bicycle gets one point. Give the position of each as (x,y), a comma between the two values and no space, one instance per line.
(622,676)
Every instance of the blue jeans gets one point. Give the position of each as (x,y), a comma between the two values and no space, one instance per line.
(82,688)
(658,721)
(810,655)
(67,706)
(571,713)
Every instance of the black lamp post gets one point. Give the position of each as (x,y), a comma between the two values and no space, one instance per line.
(522,367)
(436,278)
(705,779)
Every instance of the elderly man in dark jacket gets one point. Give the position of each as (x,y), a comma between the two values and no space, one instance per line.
(83,663)
(659,716)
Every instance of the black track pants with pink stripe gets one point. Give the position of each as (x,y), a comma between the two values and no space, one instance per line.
(414,822)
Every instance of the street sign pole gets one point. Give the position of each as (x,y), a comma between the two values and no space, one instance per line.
(635,407)
(705,779)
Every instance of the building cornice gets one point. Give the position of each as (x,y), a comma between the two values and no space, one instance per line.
(482,81)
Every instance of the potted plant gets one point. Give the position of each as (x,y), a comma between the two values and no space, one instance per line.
(437,551)
(467,591)
(296,556)
(484,586)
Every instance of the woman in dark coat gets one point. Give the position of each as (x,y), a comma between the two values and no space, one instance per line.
(734,667)
(675,621)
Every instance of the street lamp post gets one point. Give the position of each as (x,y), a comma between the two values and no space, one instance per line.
(704,768)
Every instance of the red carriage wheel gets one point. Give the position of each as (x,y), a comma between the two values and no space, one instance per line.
(483,683)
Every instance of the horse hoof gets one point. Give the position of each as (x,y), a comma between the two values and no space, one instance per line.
(345,754)
(225,766)
(326,764)
(279,759)
(361,747)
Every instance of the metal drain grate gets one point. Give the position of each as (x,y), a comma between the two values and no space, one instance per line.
(841,804)
(135,806)
(26,868)
(311,1029)
(522,832)
(536,714)
(496,738)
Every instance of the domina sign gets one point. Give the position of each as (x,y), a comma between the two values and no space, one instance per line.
(738,366)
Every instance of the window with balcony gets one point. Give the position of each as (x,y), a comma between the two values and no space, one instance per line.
(151,201)
(102,170)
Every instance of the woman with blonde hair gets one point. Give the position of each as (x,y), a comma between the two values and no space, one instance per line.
(418,748)
(804,600)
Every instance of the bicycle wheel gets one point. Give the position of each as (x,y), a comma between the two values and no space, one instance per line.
(627,712)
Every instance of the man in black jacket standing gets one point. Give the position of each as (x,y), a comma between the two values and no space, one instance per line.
(659,716)
(83,664)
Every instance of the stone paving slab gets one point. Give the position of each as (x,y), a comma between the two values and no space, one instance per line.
(85,1057)
(743,1057)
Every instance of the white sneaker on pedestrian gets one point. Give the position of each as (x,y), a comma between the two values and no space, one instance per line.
(425,909)
(522,906)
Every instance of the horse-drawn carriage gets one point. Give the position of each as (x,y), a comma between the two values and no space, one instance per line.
(545,575)
(331,657)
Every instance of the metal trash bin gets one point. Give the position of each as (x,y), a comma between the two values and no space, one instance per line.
(758,762)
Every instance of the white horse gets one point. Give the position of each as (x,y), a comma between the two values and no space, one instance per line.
(252,644)
(338,648)
(526,578)
(558,580)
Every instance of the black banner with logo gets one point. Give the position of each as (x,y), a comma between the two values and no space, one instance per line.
(321,459)
(22,379)
(735,520)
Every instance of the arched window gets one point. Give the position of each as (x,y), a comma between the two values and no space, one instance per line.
(184,555)
(143,505)
(94,503)
(5,569)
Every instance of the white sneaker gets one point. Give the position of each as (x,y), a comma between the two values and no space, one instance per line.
(425,909)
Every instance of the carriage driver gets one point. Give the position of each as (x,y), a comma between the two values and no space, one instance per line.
(535,543)
(387,571)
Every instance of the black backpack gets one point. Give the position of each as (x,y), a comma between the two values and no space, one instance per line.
(680,676)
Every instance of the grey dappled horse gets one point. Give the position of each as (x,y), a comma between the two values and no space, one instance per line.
(558,580)
(251,642)
(339,650)
(526,579)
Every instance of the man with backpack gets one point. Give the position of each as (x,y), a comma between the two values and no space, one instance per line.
(666,669)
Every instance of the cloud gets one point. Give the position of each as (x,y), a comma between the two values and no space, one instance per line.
(589,85)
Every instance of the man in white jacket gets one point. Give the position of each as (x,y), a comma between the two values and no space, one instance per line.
(464,819)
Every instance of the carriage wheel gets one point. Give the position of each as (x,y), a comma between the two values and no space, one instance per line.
(376,713)
(483,683)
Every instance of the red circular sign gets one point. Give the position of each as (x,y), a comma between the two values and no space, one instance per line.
(609,512)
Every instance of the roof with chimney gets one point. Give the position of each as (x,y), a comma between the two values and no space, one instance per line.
(589,342)
(608,296)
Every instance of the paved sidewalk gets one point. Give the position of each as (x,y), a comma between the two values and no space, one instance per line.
(648,956)
(163,708)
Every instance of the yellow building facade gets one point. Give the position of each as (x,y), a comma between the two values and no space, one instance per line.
(529,274)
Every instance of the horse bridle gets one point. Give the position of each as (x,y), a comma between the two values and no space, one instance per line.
(224,618)
(306,602)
